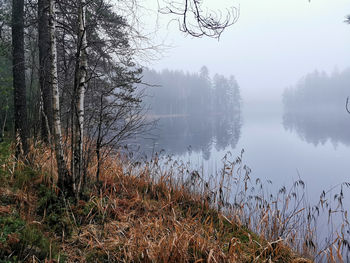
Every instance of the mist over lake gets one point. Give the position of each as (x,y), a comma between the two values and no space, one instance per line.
(308,138)
(303,138)
(175,131)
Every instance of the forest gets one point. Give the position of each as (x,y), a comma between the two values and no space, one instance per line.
(179,93)
(70,96)
(73,79)
(73,94)
(316,108)
(199,111)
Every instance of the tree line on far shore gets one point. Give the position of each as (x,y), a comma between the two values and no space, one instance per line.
(316,108)
(180,93)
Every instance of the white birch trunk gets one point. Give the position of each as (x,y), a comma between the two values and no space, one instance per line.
(61,164)
(80,88)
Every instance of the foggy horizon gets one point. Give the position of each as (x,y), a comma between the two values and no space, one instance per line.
(175,131)
(271,47)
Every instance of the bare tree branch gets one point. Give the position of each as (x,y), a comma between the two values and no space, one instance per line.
(198,23)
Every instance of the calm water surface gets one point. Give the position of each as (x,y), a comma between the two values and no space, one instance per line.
(276,147)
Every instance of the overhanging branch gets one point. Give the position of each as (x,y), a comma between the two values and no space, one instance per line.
(198,23)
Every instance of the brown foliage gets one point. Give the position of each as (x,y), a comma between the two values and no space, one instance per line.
(138,215)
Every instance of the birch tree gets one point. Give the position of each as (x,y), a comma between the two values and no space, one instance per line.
(80,83)
(64,181)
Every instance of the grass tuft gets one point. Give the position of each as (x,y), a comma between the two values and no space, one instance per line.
(155,211)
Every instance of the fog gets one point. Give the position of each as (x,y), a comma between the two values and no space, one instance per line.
(194,111)
(315,108)
(273,47)
(273,44)
(289,60)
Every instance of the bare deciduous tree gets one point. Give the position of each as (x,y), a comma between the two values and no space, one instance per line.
(117,115)
(64,181)
(80,82)
(196,22)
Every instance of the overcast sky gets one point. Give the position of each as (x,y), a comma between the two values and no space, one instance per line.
(273,44)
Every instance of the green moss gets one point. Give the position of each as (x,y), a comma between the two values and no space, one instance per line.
(10,225)
(37,241)
(24,177)
(89,208)
(53,209)
(5,153)
(5,150)
(18,240)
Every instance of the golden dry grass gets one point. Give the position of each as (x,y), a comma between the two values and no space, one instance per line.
(133,216)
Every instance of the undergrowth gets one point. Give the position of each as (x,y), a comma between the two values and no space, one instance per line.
(151,211)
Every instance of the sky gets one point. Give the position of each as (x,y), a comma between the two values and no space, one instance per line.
(273,44)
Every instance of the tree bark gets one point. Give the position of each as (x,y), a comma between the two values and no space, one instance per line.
(78,99)
(19,85)
(99,141)
(64,181)
(44,69)
(2,134)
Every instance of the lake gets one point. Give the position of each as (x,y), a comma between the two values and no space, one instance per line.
(275,148)
(278,147)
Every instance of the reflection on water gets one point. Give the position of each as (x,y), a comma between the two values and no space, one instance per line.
(280,153)
(195,133)
(195,112)
(314,115)
(273,153)
(318,127)
(315,108)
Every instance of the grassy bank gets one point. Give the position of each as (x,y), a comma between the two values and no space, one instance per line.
(133,217)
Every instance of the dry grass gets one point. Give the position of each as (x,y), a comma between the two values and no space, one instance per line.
(154,211)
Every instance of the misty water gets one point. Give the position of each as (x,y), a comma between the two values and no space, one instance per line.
(305,135)
(276,147)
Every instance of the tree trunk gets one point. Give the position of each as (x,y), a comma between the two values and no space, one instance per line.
(78,99)
(99,141)
(44,70)
(3,125)
(64,182)
(19,75)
